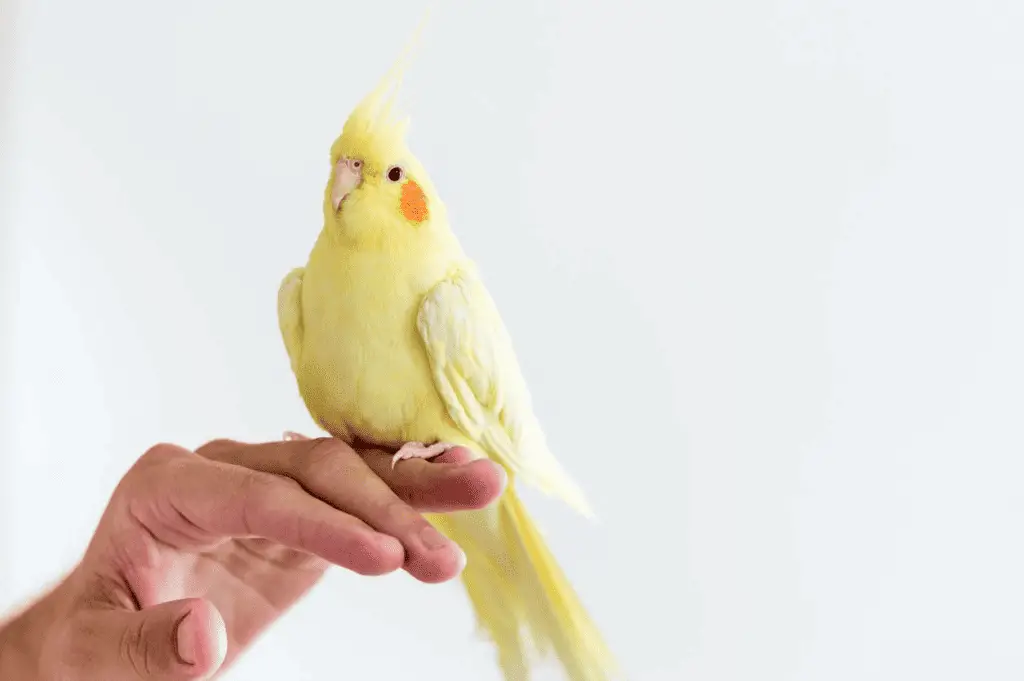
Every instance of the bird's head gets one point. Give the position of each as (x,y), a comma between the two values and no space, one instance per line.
(377,188)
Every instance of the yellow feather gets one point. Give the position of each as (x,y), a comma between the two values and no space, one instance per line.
(289,315)
(393,338)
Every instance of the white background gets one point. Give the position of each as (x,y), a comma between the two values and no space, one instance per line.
(761,260)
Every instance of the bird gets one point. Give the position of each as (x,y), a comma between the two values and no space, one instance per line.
(394,340)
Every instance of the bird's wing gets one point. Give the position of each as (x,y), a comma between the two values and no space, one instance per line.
(289,314)
(477,375)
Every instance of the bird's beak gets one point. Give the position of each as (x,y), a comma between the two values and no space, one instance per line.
(348,173)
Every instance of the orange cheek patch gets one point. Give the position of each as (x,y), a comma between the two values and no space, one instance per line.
(414,202)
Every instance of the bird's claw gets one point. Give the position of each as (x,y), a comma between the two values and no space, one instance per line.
(418,450)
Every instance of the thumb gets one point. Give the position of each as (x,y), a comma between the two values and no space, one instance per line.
(178,641)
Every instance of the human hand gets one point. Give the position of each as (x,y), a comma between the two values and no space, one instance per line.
(198,552)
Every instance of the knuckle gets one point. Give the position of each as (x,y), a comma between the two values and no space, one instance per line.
(160,453)
(153,463)
(372,558)
(397,512)
(290,484)
(327,457)
(213,447)
(259,487)
(133,650)
(254,484)
(246,499)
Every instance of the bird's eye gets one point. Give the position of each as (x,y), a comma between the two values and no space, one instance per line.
(357,164)
(395,173)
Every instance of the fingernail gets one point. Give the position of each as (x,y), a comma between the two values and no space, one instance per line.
(462,557)
(292,435)
(502,475)
(186,637)
(433,539)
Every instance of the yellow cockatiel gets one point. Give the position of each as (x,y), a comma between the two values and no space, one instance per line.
(394,340)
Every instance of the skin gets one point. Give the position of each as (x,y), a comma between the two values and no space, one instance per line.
(198,552)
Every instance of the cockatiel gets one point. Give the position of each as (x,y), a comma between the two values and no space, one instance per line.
(394,340)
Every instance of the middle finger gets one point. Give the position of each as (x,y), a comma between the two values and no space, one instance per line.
(332,471)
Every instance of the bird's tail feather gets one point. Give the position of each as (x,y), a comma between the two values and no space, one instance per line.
(522,599)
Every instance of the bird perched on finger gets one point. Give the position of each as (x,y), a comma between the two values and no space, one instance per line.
(394,340)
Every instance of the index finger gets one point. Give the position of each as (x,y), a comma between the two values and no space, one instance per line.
(454,481)
(332,471)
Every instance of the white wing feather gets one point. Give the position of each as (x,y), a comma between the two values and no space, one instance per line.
(478,377)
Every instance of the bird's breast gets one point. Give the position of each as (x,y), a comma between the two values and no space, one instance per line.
(364,370)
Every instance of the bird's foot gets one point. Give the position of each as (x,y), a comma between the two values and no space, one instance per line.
(418,450)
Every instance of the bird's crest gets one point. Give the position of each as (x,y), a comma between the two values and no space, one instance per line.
(372,129)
